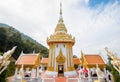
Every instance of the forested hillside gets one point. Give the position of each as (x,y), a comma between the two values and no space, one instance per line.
(10,37)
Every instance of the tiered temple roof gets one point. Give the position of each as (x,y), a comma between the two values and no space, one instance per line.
(28,60)
(91,60)
(75,61)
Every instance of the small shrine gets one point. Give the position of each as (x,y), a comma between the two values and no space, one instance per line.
(27,67)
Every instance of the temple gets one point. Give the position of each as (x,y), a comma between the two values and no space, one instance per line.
(60,50)
(27,67)
(60,61)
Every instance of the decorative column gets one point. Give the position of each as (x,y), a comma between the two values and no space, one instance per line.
(38,72)
(71,53)
(54,58)
(66,58)
(52,55)
(89,74)
(105,72)
(16,71)
(32,73)
(68,62)
(70,58)
(50,63)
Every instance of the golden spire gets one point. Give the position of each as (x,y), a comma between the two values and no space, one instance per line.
(60,8)
(60,19)
(60,26)
(82,57)
(60,32)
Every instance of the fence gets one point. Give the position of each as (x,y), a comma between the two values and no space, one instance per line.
(87,79)
(91,79)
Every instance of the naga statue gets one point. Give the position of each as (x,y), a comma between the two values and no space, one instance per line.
(100,74)
(115,60)
(4,60)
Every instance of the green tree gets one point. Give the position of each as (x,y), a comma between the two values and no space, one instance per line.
(3,76)
(8,72)
(3,40)
(74,56)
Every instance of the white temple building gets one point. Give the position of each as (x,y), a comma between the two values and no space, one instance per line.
(60,61)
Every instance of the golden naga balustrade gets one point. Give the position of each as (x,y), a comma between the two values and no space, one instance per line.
(115,60)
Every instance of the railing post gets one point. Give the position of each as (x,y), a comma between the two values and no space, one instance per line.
(54,77)
(42,80)
(89,75)
(66,78)
(38,72)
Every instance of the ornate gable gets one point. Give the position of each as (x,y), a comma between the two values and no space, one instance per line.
(60,58)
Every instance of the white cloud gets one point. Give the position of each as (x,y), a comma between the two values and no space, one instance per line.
(94,29)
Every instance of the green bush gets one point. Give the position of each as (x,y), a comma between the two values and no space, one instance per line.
(8,72)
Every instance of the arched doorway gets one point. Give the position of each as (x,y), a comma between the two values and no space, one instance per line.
(60,59)
(60,70)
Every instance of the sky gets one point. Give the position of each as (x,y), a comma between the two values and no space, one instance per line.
(95,24)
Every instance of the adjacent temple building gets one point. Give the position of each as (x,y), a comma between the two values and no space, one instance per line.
(60,50)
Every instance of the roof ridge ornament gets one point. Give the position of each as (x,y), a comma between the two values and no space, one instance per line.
(60,28)
(60,18)
(60,58)
(60,7)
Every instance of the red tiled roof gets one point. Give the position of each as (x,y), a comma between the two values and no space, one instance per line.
(26,59)
(94,59)
(44,61)
(76,61)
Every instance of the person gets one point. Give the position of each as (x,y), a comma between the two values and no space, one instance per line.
(85,72)
(109,77)
(94,72)
(27,75)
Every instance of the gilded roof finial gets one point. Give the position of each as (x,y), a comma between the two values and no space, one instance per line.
(60,26)
(60,19)
(60,7)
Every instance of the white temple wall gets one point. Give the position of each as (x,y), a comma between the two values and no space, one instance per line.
(60,46)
